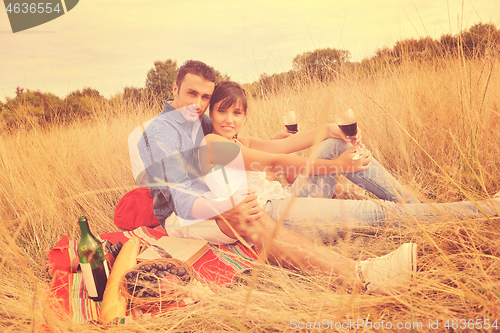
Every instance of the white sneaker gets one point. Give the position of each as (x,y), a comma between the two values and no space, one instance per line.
(390,273)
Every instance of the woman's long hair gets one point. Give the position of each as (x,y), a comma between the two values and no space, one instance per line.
(229,93)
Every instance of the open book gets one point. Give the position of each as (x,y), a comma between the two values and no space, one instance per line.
(187,250)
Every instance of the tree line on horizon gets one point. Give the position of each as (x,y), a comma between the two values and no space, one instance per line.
(321,65)
(479,41)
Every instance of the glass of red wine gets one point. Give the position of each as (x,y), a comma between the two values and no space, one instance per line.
(349,125)
(347,122)
(290,121)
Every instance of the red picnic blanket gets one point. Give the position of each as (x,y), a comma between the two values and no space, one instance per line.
(220,265)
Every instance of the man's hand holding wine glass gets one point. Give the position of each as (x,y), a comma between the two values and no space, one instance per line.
(337,133)
(349,163)
(349,132)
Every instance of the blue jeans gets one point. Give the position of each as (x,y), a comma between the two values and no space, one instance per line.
(313,213)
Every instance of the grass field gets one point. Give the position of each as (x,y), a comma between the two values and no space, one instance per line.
(435,126)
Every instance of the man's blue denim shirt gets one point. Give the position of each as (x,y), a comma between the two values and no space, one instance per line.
(170,155)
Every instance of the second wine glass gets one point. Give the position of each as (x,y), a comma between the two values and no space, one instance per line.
(290,121)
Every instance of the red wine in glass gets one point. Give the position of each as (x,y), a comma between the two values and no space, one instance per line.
(291,128)
(290,121)
(348,124)
(349,129)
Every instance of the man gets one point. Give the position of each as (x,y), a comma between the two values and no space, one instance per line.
(169,150)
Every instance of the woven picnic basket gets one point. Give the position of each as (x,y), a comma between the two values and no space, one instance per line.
(176,295)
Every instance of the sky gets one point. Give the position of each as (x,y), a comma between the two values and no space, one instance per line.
(108,45)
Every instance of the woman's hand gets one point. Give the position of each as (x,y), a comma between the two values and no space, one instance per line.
(334,131)
(241,218)
(348,165)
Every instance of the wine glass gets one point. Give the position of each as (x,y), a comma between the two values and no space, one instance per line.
(290,121)
(349,125)
(347,122)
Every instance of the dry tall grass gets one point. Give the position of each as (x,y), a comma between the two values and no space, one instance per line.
(436,126)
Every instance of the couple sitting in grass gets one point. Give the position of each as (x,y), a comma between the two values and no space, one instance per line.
(190,157)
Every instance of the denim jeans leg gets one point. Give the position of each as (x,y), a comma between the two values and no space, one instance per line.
(376,179)
(325,219)
(430,212)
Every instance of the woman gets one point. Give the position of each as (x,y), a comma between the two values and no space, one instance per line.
(314,213)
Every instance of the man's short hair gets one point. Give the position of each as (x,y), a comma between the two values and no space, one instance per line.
(195,67)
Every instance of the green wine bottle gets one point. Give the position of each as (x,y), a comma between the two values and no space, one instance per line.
(92,262)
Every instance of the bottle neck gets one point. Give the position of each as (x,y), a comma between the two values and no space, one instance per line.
(84,228)
(89,247)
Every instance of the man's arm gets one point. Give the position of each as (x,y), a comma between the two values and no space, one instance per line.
(240,208)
